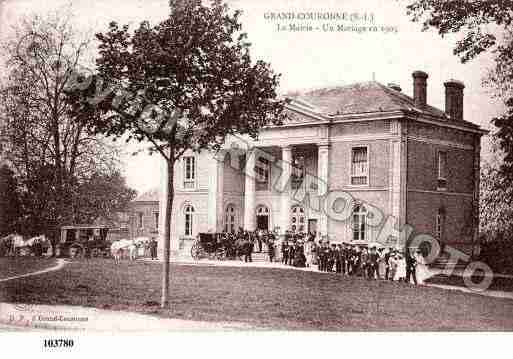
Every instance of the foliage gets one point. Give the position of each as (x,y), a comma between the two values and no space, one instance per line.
(496,200)
(53,155)
(10,206)
(183,84)
(102,196)
(195,68)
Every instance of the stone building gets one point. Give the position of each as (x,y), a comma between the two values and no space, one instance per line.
(372,145)
(144,215)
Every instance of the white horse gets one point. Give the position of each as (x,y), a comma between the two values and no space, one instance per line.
(117,248)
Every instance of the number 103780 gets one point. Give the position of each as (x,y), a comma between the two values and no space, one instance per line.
(58,343)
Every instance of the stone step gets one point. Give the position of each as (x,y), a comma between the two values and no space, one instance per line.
(446,264)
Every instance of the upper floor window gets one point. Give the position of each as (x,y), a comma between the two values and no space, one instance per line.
(140,222)
(189,166)
(359,166)
(298,171)
(442,170)
(156,214)
(262,173)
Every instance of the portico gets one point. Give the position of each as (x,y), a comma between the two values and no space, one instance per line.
(281,181)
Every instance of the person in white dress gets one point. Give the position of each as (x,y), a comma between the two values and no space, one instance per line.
(400,273)
(309,252)
(422,270)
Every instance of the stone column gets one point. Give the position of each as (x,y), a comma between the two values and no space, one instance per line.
(285,198)
(249,192)
(322,174)
(215,195)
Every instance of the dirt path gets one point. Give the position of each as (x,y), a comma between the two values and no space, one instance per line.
(60,263)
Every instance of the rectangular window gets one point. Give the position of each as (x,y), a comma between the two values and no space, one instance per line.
(359,166)
(189,176)
(298,172)
(140,220)
(262,173)
(442,170)
(156,214)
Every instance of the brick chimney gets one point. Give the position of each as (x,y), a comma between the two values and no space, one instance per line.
(420,88)
(454,99)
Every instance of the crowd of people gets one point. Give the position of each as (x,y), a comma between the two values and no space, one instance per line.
(302,250)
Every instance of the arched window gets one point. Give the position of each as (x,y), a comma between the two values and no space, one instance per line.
(189,215)
(359,225)
(297,219)
(262,211)
(229,219)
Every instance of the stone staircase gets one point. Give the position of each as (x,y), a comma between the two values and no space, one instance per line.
(260,257)
(444,261)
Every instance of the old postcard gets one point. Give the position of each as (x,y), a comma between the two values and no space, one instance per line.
(171,166)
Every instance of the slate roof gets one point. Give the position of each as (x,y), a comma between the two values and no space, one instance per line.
(149,196)
(365,97)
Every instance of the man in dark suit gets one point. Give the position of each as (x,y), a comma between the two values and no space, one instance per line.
(285,252)
(373,264)
(411,264)
(153,249)
(386,257)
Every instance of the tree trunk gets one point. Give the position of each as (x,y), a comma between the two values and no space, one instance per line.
(167,231)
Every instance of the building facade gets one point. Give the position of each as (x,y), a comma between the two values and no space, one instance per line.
(347,162)
(144,215)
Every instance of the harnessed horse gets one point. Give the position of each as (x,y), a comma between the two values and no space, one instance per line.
(117,248)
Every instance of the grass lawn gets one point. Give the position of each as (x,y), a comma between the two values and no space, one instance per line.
(263,297)
(498,283)
(10,267)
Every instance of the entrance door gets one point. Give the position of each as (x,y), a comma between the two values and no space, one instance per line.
(312,226)
(263,222)
(262,218)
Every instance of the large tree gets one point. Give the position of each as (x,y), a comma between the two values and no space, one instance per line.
(484,26)
(183,84)
(496,194)
(10,207)
(52,153)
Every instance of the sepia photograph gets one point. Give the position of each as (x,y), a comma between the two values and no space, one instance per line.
(255,166)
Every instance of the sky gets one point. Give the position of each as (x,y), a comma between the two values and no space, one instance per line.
(306,59)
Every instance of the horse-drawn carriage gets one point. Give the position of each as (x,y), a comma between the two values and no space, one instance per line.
(83,240)
(19,246)
(219,246)
(208,245)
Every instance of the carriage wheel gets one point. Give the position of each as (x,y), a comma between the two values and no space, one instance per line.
(196,251)
(77,252)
